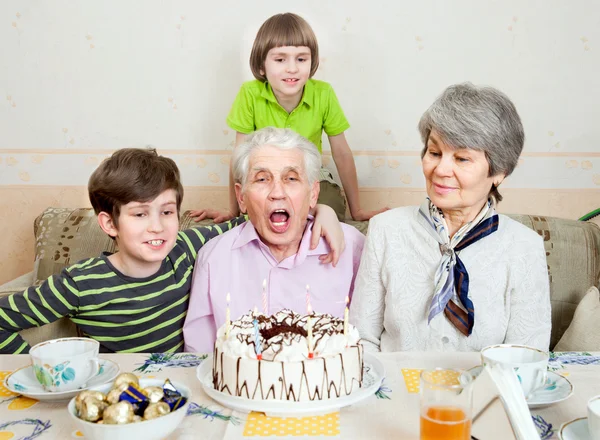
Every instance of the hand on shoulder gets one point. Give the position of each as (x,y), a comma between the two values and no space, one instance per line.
(218,216)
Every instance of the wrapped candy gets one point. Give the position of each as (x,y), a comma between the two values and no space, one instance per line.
(125,378)
(136,397)
(155,394)
(155,410)
(92,409)
(172,397)
(114,396)
(87,393)
(127,402)
(118,414)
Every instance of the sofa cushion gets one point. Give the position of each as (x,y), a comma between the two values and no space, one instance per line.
(584,332)
(572,249)
(64,236)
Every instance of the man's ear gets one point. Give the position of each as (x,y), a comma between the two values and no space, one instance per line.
(240,198)
(107,225)
(314,194)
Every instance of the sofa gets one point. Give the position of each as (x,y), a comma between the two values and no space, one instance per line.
(64,236)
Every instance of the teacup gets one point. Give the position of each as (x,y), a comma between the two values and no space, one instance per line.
(593,410)
(65,364)
(530,364)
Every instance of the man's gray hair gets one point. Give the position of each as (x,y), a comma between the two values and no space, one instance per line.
(480,118)
(282,138)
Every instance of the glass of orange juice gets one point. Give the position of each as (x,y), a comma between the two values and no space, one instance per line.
(446,404)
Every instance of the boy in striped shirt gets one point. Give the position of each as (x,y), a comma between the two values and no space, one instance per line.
(136,299)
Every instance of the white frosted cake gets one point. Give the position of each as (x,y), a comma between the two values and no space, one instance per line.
(285,371)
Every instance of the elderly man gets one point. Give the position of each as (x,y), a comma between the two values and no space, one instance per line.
(276,173)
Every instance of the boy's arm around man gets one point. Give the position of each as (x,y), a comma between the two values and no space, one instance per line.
(60,295)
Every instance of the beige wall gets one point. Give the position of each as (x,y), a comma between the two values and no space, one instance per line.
(83,79)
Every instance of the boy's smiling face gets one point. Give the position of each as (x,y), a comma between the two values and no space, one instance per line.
(145,234)
(287,69)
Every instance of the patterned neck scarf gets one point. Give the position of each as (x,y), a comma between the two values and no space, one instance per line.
(451,274)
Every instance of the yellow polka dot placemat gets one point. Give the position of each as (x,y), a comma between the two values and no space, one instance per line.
(412,378)
(259,424)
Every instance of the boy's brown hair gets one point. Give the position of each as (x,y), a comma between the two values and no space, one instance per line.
(283,30)
(132,175)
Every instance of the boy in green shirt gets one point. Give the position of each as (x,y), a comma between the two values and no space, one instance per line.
(284,58)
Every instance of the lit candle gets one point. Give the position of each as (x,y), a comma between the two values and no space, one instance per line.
(308,299)
(264,297)
(227,317)
(309,337)
(257,344)
(346,320)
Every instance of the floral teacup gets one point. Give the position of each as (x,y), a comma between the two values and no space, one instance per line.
(529,363)
(65,364)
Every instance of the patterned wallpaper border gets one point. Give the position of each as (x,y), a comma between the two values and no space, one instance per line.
(374,171)
(173,151)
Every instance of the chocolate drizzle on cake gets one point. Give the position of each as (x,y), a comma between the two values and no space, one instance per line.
(283,328)
(329,375)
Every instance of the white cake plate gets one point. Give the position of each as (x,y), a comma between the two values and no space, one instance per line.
(373,375)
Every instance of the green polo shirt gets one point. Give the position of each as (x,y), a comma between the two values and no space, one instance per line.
(256,107)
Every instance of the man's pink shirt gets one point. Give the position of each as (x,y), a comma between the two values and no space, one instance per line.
(237,262)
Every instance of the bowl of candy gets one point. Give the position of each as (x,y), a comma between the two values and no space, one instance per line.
(130,408)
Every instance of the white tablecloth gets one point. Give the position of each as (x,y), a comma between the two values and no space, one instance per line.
(393,412)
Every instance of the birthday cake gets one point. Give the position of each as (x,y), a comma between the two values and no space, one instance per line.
(286,357)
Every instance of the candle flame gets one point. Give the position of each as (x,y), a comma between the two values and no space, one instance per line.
(347,300)
(308,309)
(228,298)
(264,284)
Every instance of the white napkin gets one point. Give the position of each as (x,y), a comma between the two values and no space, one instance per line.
(490,421)
(507,383)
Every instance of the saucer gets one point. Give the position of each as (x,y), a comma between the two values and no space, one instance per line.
(575,430)
(557,389)
(23,381)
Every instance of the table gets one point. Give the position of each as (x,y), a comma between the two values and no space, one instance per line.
(391,413)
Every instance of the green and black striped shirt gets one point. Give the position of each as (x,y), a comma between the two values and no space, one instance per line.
(124,314)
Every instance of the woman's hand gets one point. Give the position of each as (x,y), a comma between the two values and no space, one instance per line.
(327,225)
(218,216)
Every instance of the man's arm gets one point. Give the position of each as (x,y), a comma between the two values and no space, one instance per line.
(36,306)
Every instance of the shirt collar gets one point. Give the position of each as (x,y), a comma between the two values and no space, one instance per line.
(249,235)
(307,96)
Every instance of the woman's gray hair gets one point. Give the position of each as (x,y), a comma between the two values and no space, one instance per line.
(480,118)
(282,138)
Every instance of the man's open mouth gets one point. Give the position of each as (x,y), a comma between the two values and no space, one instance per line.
(279,220)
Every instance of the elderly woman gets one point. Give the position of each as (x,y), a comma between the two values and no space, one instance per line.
(276,173)
(452,274)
